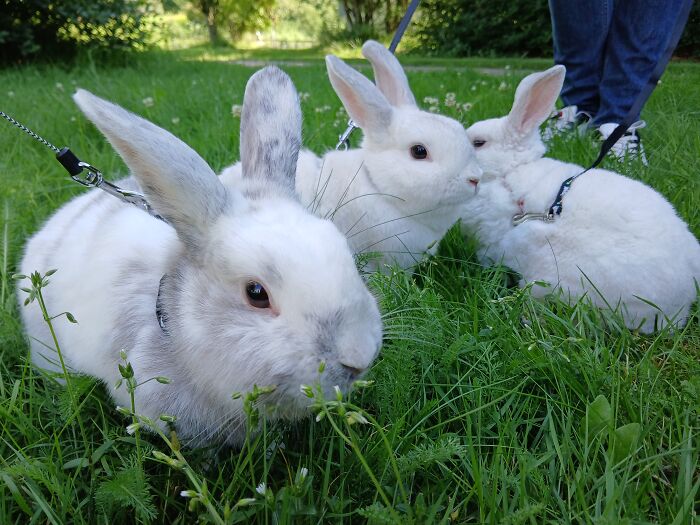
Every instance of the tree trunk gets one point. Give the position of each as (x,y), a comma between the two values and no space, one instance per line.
(211,25)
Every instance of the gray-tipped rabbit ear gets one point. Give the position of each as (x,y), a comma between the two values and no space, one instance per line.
(178,183)
(388,74)
(365,104)
(271,131)
(535,98)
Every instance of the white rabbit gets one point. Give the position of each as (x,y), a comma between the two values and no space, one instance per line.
(616,241)
(253,288)
(399,193)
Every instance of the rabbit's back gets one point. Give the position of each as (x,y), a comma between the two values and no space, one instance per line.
(101,248)
(615,239)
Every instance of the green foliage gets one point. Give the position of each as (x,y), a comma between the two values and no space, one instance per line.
(484,27)
(365,19)
(504,28)
(60,28)
(127,490)
(235,16)
(689,46)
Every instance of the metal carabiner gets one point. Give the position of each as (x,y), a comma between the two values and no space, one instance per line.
(520,218)
(344,138)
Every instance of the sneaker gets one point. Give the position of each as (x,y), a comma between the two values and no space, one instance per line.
(564,120)
(629,145)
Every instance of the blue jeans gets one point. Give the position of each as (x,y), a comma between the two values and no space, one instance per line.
(609,48)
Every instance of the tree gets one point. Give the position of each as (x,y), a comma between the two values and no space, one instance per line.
(235,16)
(60,28)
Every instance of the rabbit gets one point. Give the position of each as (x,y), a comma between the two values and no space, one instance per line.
(251,288)
(617,241)
(397,195)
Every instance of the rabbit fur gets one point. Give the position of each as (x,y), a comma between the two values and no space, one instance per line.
(617,241)
(387,202)
(111,257)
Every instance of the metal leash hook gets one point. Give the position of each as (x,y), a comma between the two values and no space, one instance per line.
(93,179)
(344,139)
(520,218)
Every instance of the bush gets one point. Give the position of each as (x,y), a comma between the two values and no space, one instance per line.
(32,29)
(484,27)
(505,27)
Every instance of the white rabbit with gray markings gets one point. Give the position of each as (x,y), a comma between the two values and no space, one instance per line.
(617,241)
(249,286)
(399,193)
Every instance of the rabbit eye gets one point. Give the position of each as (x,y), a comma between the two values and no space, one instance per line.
(477,143)
(419,152)
(257,295)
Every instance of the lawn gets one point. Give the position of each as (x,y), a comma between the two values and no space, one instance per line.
(486,406)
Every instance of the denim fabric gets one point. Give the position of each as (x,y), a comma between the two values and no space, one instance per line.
(609,48)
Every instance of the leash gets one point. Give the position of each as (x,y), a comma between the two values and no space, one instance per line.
(93,177)
(344,138)
(557,206)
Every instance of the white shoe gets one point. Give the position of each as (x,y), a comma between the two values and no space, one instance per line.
(629,145)
(564,120)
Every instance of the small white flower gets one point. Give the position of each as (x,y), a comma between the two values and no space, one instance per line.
(59,86)
(323,109)
(502,86)
(483,82)
(467,106)
(304,96)
(73,119)
(133,428)
(148,102)
(260,489)
(431,101)
(507,66)
(473,88)
(303,472)
(10,93)
(433,109)
(188,494)
(450,99)
(236,110)
(175,120)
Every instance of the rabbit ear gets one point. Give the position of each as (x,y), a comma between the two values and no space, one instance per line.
(271,131)
(365,104)
(178,183)
(388,74)
(535,99)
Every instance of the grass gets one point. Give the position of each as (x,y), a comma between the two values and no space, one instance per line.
(486,406)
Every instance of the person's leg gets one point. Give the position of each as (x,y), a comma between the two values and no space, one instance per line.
(639,34)
(580,29)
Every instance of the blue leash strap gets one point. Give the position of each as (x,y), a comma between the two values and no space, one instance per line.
(403,25)
(645,93)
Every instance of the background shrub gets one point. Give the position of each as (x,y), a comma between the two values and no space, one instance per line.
(60,28)
(505,27)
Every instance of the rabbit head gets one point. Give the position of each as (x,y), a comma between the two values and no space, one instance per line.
(504,143)
(422,159)
(259,291)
